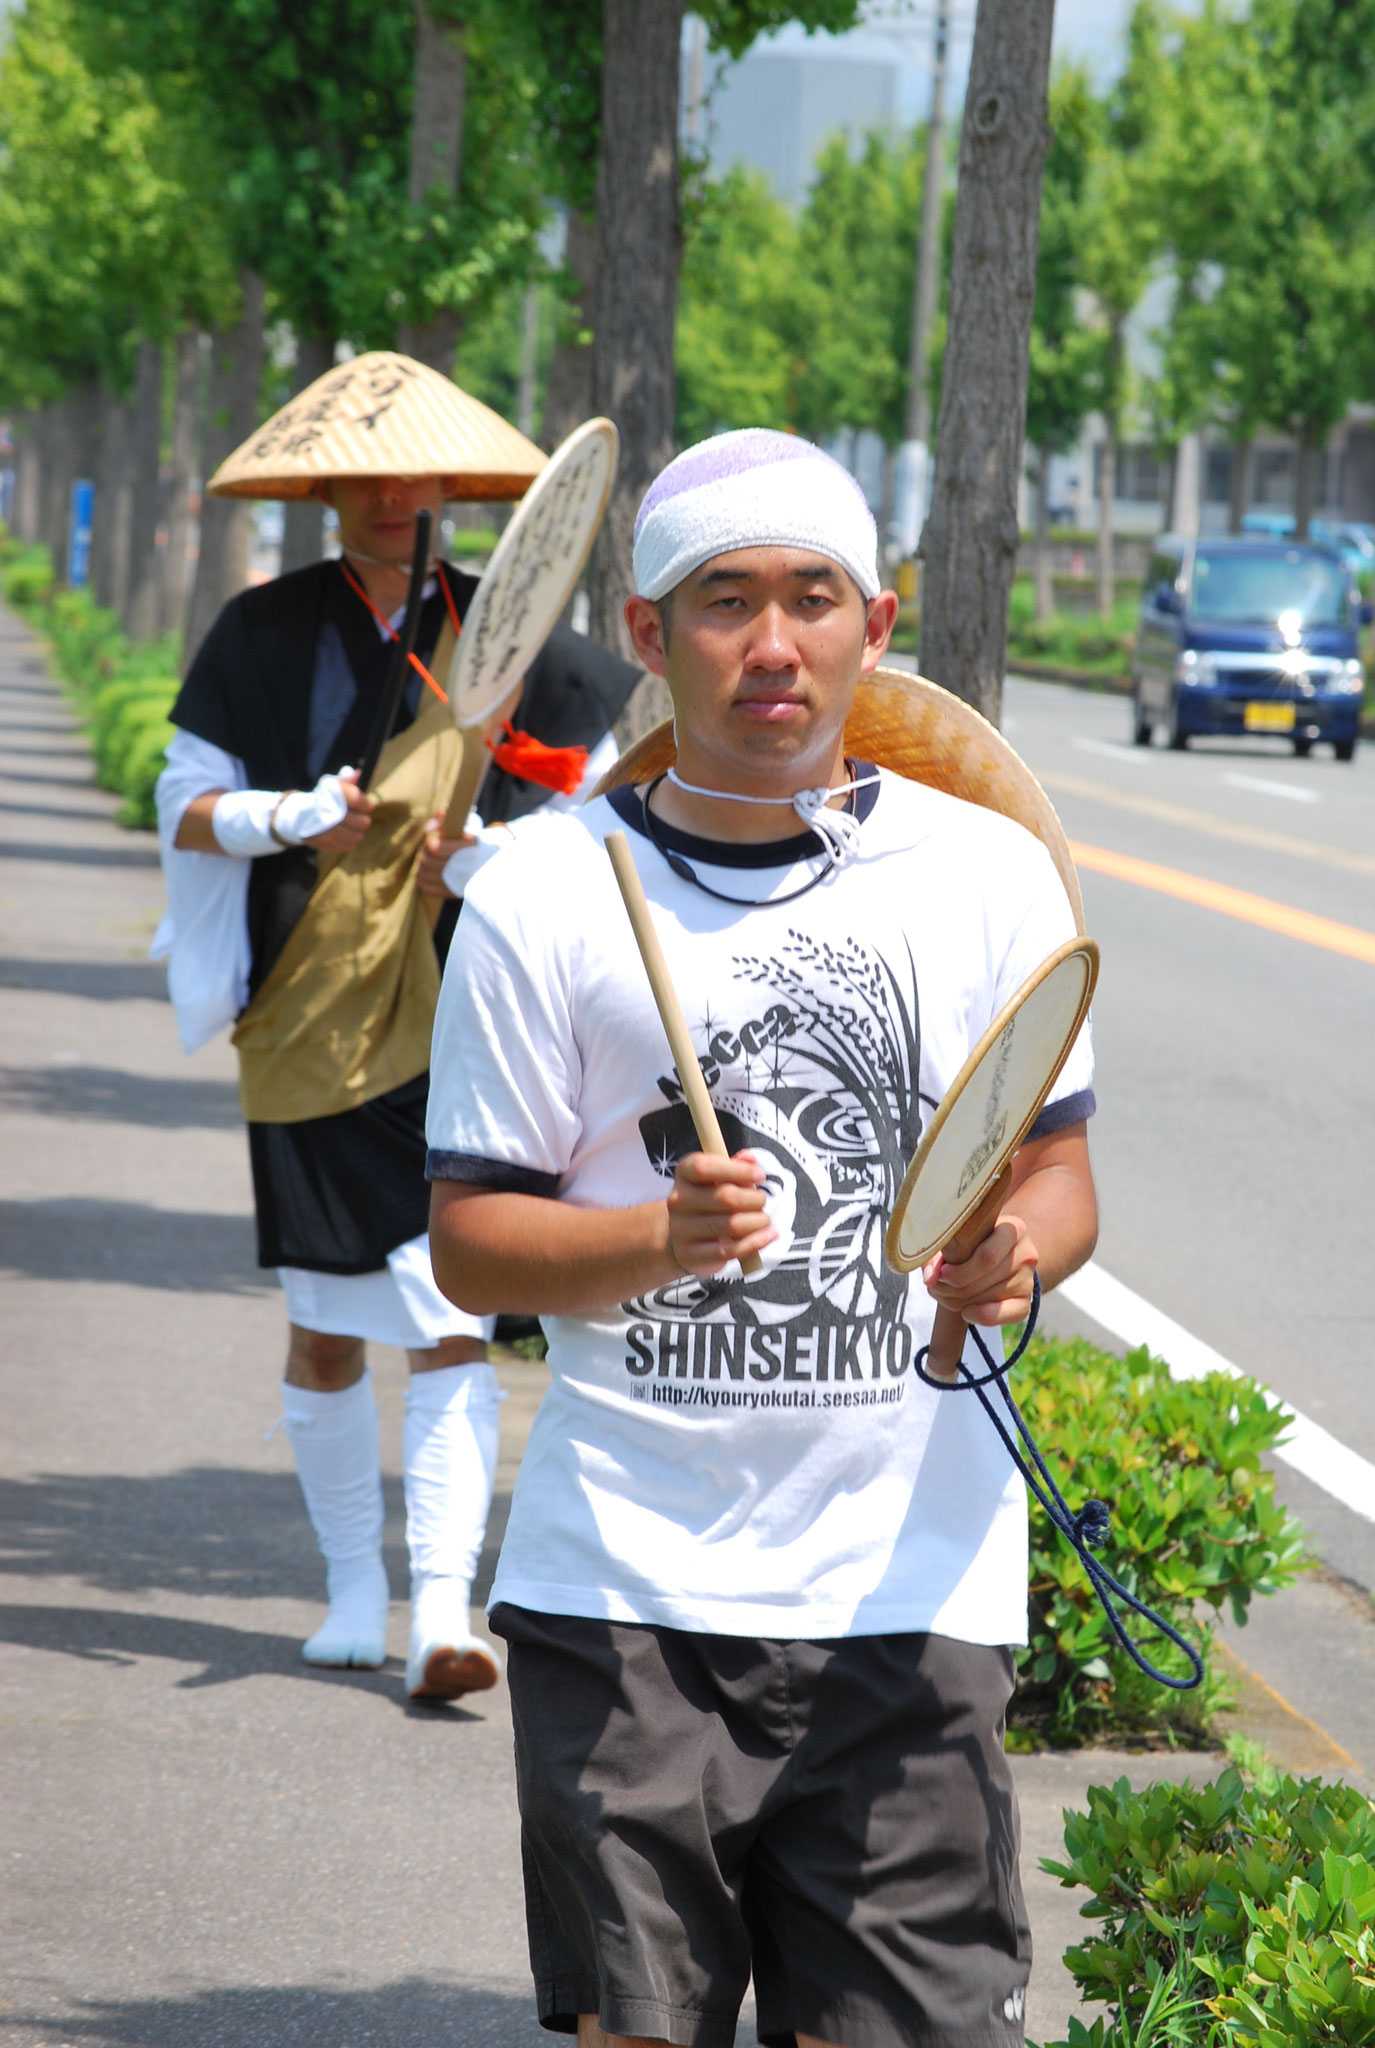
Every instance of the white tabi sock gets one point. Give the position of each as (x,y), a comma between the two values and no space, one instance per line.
(451,1433)
(334,1437)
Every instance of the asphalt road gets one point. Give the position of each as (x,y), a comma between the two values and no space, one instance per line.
(205,1844)
(1236,1071)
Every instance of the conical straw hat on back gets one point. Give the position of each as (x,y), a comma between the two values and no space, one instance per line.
(919,730)
(381,415)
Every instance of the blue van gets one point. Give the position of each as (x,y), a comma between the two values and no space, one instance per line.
(1246,635)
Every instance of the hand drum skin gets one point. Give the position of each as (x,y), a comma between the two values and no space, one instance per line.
(530,578)
(966,1155)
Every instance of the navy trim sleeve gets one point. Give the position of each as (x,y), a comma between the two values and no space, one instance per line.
(1057,1116)
(503,1176)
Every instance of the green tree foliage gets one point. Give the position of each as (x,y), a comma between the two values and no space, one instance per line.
(802,323)
(1064,350)
(305,110)
(109,219)
(856,242)
(739,317)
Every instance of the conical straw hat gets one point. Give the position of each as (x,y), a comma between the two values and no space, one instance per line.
(921,731)
(381,415)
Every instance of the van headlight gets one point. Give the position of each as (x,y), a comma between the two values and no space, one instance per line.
(1349,679)
(1195,670)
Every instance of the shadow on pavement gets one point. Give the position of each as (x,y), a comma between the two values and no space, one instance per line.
(49,781)
(97,1635)
(182,1250)
(103,981)
(207,1530)
(397,2015)
(123,1098)
(37,810)
(101,856)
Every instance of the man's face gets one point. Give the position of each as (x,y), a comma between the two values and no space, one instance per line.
(763,651)
(377,513)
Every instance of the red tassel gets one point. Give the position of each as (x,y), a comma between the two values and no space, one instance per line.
(557,768)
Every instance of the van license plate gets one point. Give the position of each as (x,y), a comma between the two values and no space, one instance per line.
(1269,718)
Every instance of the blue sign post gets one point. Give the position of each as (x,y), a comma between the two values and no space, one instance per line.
(79,533)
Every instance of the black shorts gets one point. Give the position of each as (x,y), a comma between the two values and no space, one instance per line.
(836,1818)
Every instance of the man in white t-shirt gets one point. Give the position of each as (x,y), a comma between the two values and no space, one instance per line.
(760,1582)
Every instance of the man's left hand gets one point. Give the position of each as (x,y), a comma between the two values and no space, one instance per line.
(435,854)
(993,1285)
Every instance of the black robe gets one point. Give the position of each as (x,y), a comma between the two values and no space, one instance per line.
(336,1194)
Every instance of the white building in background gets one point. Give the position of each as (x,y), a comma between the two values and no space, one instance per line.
(777,109)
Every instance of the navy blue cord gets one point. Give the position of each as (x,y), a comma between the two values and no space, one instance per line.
(1083,1532)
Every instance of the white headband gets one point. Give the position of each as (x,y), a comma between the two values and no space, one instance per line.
(752,489)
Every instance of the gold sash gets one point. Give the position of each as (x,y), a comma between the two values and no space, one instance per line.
(347,1010)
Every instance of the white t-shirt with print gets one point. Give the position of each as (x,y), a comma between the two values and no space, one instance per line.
(750,1457)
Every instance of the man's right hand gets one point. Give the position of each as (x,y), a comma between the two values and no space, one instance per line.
(716,1212)
(349,832)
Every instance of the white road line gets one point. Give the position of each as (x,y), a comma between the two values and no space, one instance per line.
(1116,750)
(1309,1448)
(1293,790)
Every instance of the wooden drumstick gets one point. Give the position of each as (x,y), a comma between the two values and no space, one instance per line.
(949,1331)
(694,1088)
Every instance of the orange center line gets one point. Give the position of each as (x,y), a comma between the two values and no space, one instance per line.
(1272,917)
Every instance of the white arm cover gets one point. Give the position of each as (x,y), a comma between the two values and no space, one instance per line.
(242,820)
(204,935)
(460,867)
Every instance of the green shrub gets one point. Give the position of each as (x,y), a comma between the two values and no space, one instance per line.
(142,765)
(1195,1524)
(26,577)
(1231,1915)
(472,542)
(1067,639)
(122,689)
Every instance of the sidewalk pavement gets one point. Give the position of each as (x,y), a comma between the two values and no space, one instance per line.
(208,1844)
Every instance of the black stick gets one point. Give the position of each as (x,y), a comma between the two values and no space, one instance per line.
(390,702)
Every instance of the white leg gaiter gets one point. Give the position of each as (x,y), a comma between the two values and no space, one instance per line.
(451,1432)
(334,1437)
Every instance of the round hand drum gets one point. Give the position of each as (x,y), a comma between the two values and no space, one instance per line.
(530,578)
(956,1182)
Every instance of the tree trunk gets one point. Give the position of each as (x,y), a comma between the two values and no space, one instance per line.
(303,530)
(1239,483)
(142,607)
(436,159)
(529,361)
(70,449)
(1045,582)
(175,587)
(969,544)
(27,517)
(1305,481)
(54,474)
(1107,508)
(568,393)
(236,368)
(639,246)
(113,504)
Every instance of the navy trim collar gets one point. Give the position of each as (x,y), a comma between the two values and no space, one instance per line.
(730,853)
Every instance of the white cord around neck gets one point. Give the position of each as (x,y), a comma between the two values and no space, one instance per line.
(838,831)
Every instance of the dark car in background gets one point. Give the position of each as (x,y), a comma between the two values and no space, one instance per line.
(1246,635)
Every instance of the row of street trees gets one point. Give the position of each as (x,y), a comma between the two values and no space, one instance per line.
(200,203)
(1234,155)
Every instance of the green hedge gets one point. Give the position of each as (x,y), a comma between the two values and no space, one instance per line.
(1196,1529)
(1081,640)
(123,690)
(1230,1915)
